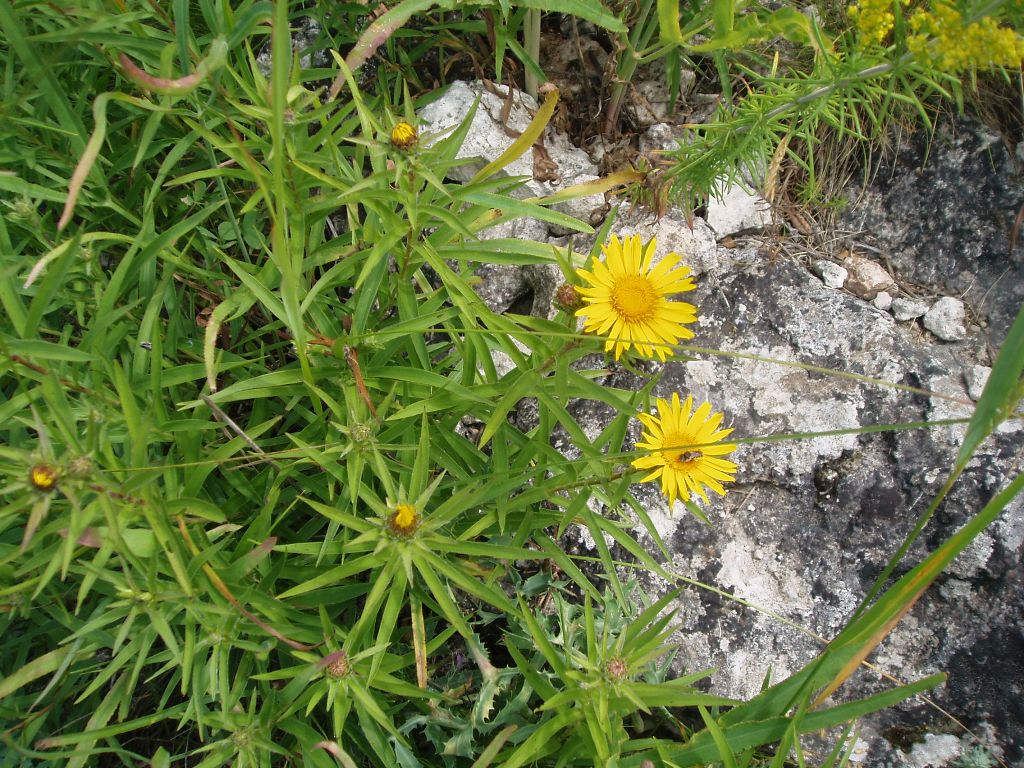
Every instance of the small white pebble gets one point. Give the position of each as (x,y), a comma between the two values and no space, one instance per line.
(946,319)
(830,273)
(975,378)
(907,309)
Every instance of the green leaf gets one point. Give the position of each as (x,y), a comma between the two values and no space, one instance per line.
(42,665)
(593,11)
(1002,393)
(520,388)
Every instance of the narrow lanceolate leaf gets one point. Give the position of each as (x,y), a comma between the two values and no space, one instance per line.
(1002,393)
(702,748)
(589,10)
(668,22)
(587,188)
(238,302)
(383,27)
(35,669)
(718,736)
(419,639)
(864,635)
(92,150)
(525,140)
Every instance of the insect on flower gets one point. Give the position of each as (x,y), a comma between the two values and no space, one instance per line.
(684,449)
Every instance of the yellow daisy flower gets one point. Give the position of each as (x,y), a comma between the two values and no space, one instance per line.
(627,298)
(684,448)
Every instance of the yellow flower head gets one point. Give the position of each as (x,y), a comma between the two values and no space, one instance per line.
(43,477)
(403,135)
(404,520)
(628,299)
(684,448)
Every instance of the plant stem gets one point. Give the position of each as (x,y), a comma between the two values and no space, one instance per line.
(531,41)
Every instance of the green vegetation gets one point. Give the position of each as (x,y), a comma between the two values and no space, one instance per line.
(262,502)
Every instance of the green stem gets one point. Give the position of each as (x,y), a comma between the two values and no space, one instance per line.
(531,41)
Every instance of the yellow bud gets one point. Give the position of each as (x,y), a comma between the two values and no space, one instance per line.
(43,477)
(403,136)
(405,519)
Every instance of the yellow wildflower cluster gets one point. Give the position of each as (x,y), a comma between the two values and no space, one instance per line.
(874,19)
(627,300)
(942,37)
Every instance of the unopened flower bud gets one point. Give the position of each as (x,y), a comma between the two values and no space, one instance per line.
(616,669)
(568,298)
(43,477)
(339,665)
(404,136)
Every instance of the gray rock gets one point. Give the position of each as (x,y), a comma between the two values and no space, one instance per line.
(866,277)
(936,751)
(487,137)
(831,273)
(658,138)
(649,100)
(544,280)
(735,210)
(500,285)
(307,40)
(908,309)
(943,217)
(976,377)
(946,319)
(504,286)
(810,521)
(882,301)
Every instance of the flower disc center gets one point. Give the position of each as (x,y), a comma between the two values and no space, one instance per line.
(634,298)
(405,519)
(680,459)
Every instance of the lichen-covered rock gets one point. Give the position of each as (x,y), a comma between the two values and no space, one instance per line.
(812,520)
(658,138)
(833,275)
(944,216)
(936,751)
